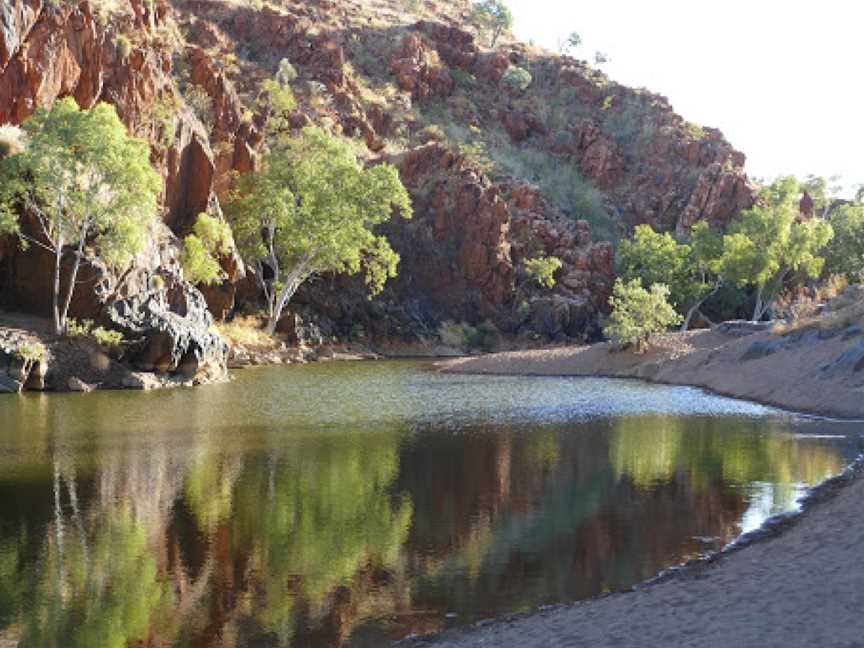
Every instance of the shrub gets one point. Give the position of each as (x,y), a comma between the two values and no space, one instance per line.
(464,336)
(102,336)
(124,46)
(694,130)
(31,352)
(432,133)
(542,269)
(476,154)
(286,73)
(164,118)
(211,238)
(107,337)
(79,329)
(517,79)
(638,313)
(463,79)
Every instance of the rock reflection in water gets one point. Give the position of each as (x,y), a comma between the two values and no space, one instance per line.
(341,535)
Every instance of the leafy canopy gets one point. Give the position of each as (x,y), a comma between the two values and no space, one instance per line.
(211,239)
(691,270)
(638,313)
(492,16)
(87,182)
(312,208)
(542,269)
(768,245)
(845,254)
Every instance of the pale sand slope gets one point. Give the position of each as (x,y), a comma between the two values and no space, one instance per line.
(802,372)
(803,588)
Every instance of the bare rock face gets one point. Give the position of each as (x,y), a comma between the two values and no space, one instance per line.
(720,194)
(172,327)
(418,69)
(460,230)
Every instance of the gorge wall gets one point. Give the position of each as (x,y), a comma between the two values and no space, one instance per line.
(497,174)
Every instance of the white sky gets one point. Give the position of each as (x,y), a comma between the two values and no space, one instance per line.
(781,78)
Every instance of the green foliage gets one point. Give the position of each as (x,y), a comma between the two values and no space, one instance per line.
(821,190)
(311,209)
(87,183)
(690,270)
(107,337)
(492,17)
(767,247)
(278,102)
(462,335)
(637,313)
(845,253)
(694,130)
(463,79)
(478,156)
(517,79)
(31,352)
(563,185)
(542,269)
(102,336)
(165,120)
(211,238)
(285,73)
(124,46)
(432,133)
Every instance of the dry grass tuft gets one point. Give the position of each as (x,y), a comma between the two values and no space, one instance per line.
(247,331)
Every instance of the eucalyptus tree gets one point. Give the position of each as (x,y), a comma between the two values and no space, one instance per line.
(89,188)
(310,209)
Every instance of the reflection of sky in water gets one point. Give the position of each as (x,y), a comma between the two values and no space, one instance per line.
(763,502)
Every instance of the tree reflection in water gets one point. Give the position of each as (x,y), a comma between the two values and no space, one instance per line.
(322,537)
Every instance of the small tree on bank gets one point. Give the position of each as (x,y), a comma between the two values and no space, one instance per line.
(89,187)
(492,16)
(311,209)
(691,270)
(768,246)
(638,313)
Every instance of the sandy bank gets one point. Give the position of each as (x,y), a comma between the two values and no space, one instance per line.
(815,371)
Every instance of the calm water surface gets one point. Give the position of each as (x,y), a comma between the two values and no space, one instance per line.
(355,503)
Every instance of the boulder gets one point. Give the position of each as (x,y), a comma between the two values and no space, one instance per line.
(172,331)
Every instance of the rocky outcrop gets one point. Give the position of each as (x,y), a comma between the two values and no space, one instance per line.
(418,69)
(720,194)
(171,331)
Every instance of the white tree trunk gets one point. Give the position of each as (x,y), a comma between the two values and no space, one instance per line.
(292,282)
